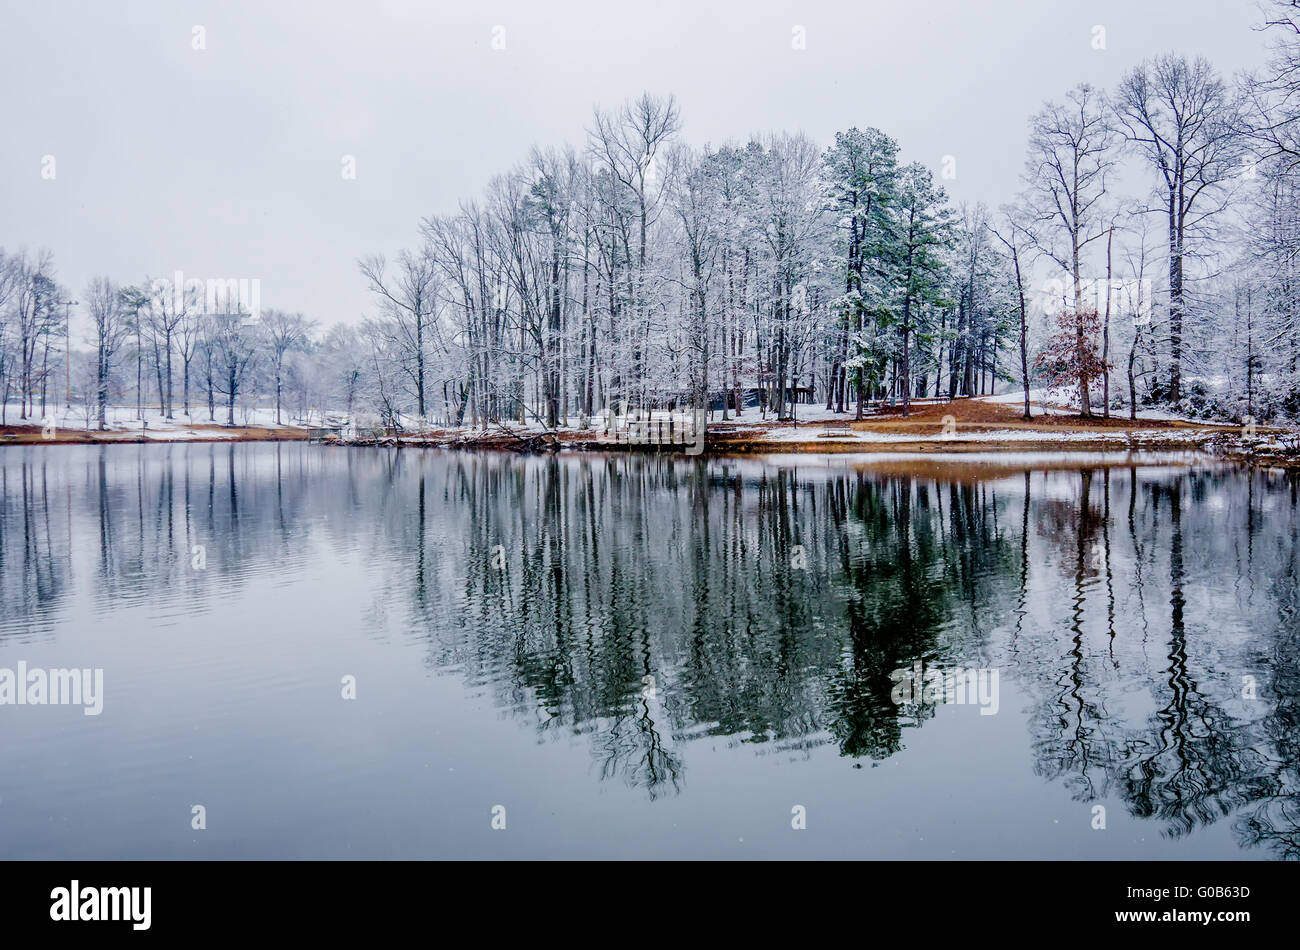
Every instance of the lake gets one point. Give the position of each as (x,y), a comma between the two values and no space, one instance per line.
(321,652)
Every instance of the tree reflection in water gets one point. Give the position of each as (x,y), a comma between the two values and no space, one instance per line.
(645,602)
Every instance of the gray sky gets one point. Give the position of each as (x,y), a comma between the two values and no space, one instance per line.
(226,161)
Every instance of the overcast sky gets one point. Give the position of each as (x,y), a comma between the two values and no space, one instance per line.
(226,161)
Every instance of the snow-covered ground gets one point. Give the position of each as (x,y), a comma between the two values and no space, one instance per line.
(812,425)
(123,419)
(1043,401)
(963,435)
(1064,400)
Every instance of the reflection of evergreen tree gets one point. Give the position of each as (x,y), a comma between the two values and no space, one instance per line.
(767,607)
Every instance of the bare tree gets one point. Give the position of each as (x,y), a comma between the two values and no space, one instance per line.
(1016,237)
(344,359)
(462,249)
(35,296)
(8,284)
(626,144)
(1070,155)
(1182,117)
(695,205)
(408,300)
(111,329)
(189,338)
(234,347)
(168,308)
(384,394)
(1270,115)
(283,332)
(550,196)
(791,223)
(134,301)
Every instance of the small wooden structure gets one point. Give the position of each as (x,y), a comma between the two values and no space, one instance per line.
(836,430)
(323,434)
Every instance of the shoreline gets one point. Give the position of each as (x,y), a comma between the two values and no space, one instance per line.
(960,430)
(34,435)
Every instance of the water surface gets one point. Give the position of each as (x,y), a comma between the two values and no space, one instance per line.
(643,656)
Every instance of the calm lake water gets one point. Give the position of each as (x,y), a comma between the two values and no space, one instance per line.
(644,657)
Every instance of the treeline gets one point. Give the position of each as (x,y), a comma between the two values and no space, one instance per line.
(643,271)
(164,351)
